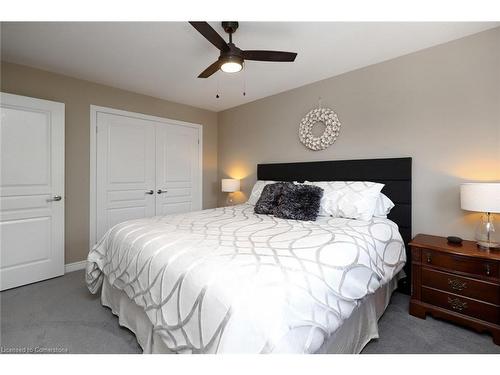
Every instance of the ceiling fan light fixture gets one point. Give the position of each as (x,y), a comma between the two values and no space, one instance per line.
(232,64)
(231,67)
(231,59)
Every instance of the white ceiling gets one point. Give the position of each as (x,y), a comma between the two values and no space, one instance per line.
(163,59)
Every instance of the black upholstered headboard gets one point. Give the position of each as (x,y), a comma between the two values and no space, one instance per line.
(395,173)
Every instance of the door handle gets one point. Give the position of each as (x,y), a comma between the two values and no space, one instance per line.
(159,191)
(488,270)
(55,198)
(150,192)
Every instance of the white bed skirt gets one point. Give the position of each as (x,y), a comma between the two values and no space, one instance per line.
(351,337)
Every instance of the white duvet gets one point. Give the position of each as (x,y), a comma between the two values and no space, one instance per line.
(229,280)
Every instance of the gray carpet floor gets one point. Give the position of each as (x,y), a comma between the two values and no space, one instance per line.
(61,313)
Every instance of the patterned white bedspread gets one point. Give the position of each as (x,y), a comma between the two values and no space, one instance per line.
(228,280)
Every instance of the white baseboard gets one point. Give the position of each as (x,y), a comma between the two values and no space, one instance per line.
(76,266)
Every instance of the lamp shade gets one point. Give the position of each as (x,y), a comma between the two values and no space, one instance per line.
(230,185)
(480,197)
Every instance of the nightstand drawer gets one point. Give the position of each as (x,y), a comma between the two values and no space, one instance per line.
(462,305)
(464,286)
(457,263)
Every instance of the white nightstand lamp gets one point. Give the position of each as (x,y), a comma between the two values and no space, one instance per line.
(483,197)
(230,185)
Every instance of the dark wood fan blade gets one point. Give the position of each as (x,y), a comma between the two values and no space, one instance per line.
(210,34)
(269,56)
(210,70)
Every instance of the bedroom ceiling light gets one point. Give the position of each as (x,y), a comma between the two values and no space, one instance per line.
(231,57)
(232,64)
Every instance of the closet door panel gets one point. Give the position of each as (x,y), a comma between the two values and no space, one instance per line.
(125,170)
(177,169)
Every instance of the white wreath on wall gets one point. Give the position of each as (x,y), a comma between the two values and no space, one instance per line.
(332,128)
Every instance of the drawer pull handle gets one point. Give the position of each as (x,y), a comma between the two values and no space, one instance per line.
(488,270)
(457,304)
(429,258)
(456,284)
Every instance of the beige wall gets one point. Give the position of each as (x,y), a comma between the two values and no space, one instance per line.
(78,95)
(440,106)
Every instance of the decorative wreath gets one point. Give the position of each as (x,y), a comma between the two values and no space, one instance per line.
(332,128)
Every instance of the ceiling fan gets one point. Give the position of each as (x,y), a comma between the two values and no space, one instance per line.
(231,58)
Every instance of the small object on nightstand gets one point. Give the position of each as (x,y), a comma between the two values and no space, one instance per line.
(454,240)
(457,283)
(230,185)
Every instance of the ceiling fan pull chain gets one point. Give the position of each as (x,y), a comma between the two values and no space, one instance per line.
(217,96)
(244,83)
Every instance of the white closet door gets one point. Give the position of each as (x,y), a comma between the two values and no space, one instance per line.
(31,190)
(125,170)
(177,169)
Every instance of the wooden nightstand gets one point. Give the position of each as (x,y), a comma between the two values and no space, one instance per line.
(459,283)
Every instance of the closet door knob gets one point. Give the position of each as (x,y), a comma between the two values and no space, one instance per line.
(160,191)
(150,192)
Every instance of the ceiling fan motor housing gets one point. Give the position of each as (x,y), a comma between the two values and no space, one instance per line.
(232,52)
(230,26)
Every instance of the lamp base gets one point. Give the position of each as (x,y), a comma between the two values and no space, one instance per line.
(486,233)
(488,245)
(229,200)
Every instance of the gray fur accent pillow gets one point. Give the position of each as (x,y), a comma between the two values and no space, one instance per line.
(299,202)
(269,198)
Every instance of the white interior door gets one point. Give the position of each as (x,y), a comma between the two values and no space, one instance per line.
(177,169)
(31,190)
(125,170)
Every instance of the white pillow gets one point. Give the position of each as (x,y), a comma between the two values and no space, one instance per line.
(257,191)
(349,199)
(383,206)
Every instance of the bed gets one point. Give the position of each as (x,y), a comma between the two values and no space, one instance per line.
(227,280)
